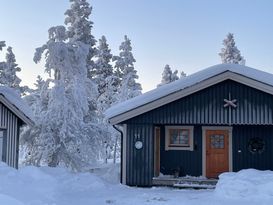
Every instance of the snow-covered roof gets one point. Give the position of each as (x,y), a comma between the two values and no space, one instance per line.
(186,82)
(15,103)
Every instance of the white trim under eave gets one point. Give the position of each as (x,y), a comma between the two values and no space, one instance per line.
(230,148)
(228,75)
(16,111)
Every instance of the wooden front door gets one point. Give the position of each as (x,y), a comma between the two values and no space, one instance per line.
(217,152)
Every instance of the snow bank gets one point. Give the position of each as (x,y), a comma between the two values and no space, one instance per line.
(249,183)
(58,186)
(43,184)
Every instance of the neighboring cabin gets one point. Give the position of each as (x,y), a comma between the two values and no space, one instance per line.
(217,120)
(14,113)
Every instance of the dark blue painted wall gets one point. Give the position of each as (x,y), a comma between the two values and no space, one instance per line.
(253,116)
(254,107)
(188,162)
(242,157)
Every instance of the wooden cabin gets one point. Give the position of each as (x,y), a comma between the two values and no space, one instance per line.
(14,113)
(217,120)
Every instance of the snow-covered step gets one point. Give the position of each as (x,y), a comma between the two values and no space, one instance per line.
(195,184)
(185,182)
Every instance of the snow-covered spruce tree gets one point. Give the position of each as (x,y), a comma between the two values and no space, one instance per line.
(67,140)
(8,76)
(32,145)
(126,72)
(2,64)
(107,87)
(80,27)
(168,75)
(2,45)
(182,74)
(103,68)
(230,53)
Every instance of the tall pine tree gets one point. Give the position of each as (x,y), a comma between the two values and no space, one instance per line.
(168,76)
(125,71)
(104,68)
(80,27)
(66,137)
(8,73)
(230,53)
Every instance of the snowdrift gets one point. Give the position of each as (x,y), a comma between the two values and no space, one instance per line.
(57,186)
(249,183)
(43,185)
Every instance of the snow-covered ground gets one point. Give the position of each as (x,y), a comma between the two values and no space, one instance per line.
(56,186)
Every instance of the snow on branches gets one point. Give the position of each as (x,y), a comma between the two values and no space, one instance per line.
(230,53)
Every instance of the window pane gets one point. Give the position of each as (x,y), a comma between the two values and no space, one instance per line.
(179,137)
(217,141)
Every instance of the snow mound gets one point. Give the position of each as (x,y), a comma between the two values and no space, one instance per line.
(110,174)
(37,185)
(249,183)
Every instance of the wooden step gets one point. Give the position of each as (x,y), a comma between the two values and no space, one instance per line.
(185,182)
(196,184)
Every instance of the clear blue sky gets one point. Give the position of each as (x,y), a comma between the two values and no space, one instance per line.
(186,34)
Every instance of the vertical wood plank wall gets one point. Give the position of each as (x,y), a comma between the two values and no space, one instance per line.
(254,112)
(10,124)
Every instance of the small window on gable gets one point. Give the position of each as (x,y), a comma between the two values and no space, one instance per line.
(179,138)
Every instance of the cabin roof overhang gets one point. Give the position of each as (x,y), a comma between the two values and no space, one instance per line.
(16,110)
(228,74)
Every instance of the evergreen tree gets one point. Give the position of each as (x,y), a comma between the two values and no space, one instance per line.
(103,69)
(174,76)
(168,75)
(8,76)
(2,64)
(65,136)
(2,45)
(183,74)
(79,29)
(33,147)
(230,53)
(126,72)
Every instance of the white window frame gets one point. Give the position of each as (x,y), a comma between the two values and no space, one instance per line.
(167,138)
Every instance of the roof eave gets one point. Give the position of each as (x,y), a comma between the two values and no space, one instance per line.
(16,111)
(227,75)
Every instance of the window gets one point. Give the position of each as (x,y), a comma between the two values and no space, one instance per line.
(217,141)
(179,138)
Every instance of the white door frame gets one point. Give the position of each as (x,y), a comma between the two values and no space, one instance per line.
(230,160)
